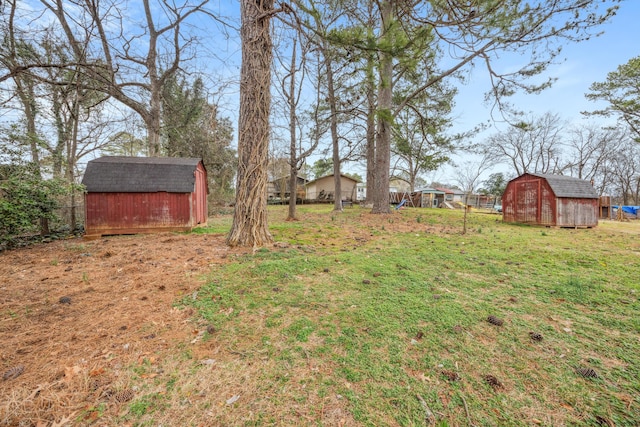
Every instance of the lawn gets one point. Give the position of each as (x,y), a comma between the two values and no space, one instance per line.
(354,319)
(383,320)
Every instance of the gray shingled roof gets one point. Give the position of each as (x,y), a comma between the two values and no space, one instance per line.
(568,186)
(120,174)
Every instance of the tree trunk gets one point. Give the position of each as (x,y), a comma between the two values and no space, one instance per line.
(249,226)
(153,126)
(72,148)
(385,106)
(25,90)
(293,193)
(61,130)
(293,157)
(371,133)
(335,143)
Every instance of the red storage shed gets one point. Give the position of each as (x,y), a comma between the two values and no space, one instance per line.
(550,200)
(129,195)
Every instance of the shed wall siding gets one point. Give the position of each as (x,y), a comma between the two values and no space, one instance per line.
(577,212)
(530,202)
(547,215)
(109,212)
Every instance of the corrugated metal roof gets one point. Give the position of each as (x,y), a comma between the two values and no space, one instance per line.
(568,186)
(120,174)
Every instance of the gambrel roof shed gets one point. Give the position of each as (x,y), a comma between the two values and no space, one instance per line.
(127,195)
(123,174)
(551,200)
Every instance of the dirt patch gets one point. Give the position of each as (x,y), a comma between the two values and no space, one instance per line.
(73,310)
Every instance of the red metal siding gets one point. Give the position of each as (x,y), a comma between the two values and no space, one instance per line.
(130,211)
(529,201)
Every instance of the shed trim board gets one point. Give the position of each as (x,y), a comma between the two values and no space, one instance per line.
(171,196)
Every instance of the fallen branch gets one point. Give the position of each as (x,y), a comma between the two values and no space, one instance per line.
(428,414)
(466,410)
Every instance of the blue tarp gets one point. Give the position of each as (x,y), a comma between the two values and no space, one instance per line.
(633,210)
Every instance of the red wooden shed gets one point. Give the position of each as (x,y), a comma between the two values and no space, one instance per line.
(129,195)
(550,200)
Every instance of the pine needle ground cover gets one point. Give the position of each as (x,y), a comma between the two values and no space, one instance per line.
(356,319)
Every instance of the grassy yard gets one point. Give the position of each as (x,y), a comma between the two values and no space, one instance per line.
(356,319)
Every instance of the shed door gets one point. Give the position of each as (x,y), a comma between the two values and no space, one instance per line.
(527,201)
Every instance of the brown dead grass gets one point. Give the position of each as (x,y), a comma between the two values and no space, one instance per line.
(122,313)
(122,329)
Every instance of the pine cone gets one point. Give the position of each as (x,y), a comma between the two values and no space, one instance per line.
(586,372)
(495,320)
(450,375)
(13,373)
(492,381)
(124,395)
(535,336)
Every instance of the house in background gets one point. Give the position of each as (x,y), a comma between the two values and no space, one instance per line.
(550,200)
(361,191)
(278,188)
(399,186)
(322,189)
(452,195)
(430,197)
(129,195)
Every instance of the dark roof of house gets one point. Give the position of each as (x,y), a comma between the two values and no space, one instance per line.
(568,186)
(120,174)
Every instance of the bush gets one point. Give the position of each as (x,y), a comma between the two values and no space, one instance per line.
(25,200)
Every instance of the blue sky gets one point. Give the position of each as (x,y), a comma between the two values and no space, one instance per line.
(580,65)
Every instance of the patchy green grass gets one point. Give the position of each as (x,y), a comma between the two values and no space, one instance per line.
(356,319)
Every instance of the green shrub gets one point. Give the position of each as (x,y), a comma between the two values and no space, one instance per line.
(25,200)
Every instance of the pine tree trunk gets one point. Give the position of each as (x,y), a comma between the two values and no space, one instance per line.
(383,136)
(249,226)
(371,134)
(335,143)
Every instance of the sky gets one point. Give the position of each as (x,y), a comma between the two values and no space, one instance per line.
(580,65)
